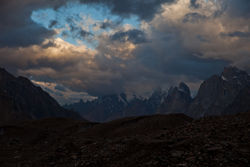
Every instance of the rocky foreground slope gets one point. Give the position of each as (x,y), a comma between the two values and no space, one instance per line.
(160,140)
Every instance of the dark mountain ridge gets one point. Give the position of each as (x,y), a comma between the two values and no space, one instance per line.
(112,107)
(20,99)
(218,92)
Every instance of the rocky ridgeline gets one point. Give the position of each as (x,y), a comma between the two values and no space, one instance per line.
(218,92)
(216,96)
(111,107)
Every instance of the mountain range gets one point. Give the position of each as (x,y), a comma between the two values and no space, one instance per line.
(227,93)
(223,94)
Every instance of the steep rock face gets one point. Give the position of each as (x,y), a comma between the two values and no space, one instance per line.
(20,98)
(7,110)
(241,102)
(156,99)
(177,101)
(149,106)
(218,92)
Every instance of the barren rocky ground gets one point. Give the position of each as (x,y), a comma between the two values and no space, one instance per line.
(173,140)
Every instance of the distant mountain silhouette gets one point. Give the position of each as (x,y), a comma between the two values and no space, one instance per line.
(20,99)
(111,107)
(216,96)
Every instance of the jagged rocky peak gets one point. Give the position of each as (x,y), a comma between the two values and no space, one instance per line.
(113,98)
(81,101)
(181,89)
(158,95)
(177,101)
(184,88)
(123,98)
(218,92)
(232,73)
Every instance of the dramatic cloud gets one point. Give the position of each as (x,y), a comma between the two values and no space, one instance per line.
(62,94)
(16,26)
(238,8)
(130,46)
(134,36)
(145,9)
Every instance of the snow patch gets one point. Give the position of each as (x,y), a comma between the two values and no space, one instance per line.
(122,100)
(224,78)
(235,77)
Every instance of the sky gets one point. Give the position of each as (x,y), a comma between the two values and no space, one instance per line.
(81,49)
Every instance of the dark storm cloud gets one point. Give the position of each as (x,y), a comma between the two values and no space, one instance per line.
(135,36)
(109,24)
(193,66)
(238,34)
(194,4)
(239,8)
(84,33)
(24,35)
(178,61)
(53,23)
(145,9)
(202,38)
(16,26)
(75,30)
(193,18)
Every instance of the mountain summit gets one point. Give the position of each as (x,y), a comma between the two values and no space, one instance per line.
(177,101)
(218,92)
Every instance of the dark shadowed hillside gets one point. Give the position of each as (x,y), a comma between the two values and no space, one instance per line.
(20,99)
